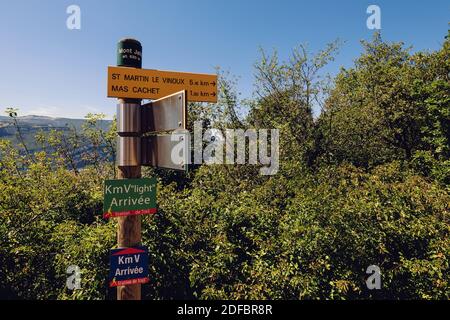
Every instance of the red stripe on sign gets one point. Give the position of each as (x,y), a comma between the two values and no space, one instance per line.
(108,215)
(128,251)
(128,282)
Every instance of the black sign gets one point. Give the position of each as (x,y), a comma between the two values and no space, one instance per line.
(129,53)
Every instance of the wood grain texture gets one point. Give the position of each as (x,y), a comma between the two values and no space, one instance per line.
(129,235)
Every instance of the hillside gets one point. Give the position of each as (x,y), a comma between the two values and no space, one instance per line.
(31,125)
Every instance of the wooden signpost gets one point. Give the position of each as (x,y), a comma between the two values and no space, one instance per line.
(129,54)
(130,197)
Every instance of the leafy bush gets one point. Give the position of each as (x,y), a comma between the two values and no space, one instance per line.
(364,184)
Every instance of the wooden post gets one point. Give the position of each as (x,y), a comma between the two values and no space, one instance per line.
(129,235)
(129,53)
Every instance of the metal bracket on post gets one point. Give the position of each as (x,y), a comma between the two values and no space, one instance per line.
(166,119)
(158,150)
(128,151)
(129,118)
(129,131)
(165,114)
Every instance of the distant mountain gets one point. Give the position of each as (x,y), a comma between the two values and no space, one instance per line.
(43,121)
(31,125)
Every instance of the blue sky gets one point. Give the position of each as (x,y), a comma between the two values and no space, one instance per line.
(47,69)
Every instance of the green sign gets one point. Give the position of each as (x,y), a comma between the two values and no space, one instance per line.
(129,197)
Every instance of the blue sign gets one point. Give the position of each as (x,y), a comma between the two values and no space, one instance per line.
(128,266)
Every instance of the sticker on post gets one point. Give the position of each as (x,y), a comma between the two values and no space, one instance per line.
(128,266)
(129,197)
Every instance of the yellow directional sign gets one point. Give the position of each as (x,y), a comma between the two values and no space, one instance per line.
(154,84)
